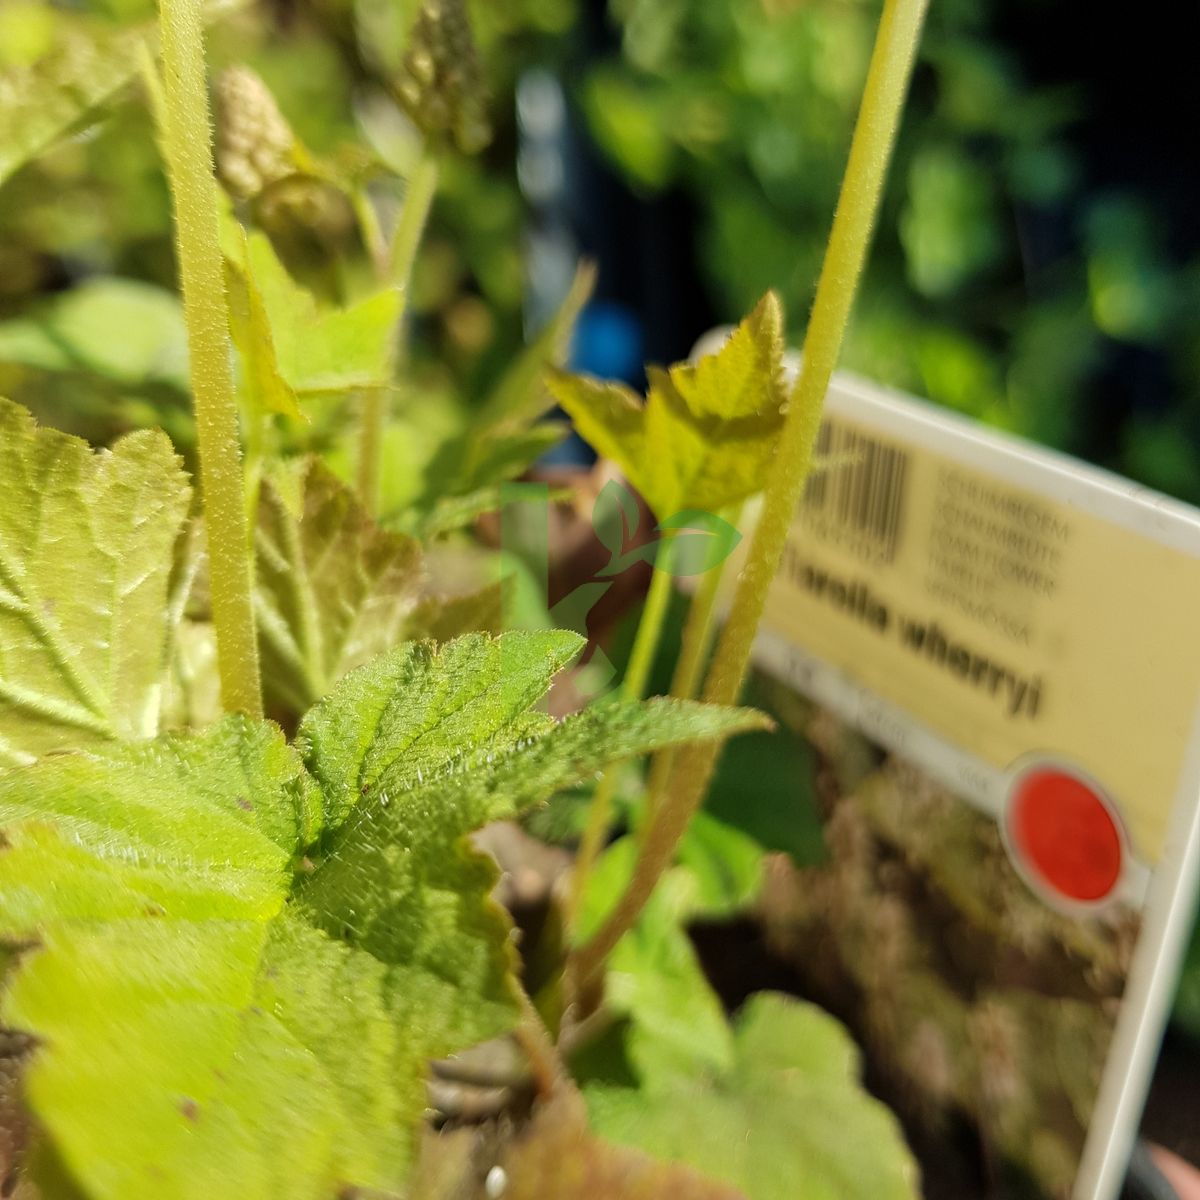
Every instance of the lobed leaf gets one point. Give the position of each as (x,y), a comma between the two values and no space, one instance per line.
(193,1029)
(332,589)
(450,732)
(776,1123)
(235,968)
(85,558)
(706,433)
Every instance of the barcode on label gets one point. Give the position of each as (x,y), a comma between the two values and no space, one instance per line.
(859,498)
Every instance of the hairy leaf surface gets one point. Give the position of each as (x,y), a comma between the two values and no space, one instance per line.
(240,956)
(85,557)
(705,435)
(332,589)
(452,731)
(776,1123)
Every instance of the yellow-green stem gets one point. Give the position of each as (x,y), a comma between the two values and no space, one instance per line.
(870,149)
(650,628)
(187,145)
(633,687)
(372,417)
(698,632)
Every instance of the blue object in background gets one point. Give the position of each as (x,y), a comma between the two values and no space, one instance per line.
(608,343)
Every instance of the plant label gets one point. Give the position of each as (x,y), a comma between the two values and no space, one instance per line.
(1008,638)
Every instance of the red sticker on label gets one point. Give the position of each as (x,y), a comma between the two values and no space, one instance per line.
(1064,832)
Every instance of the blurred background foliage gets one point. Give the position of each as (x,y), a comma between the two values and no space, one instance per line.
(1037,263)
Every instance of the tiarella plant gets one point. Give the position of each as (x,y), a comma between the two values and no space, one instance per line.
(249,735)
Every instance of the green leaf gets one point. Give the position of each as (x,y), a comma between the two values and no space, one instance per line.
(778,1122)
(332,589)
(765,789)
(127,331)
(42,103)
(170,974)
(263,383)
(50,98)
(726,866)
(452,731)
(706,433)
(310,350)
(445,514)
(654,977)
(496,456)
(258,961)
(85,558)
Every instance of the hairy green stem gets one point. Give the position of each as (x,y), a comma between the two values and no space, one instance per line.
(698,632)
(633,687)
(858,204)
(187,146)
(418,200)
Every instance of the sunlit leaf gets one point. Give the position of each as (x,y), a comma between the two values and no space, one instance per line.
(310,349)
(169,975)
(705,435)
(85,557)
(453,731)
(42,103)
(48,99)
(503,456)
(332,589)
(236,970)
(265,388)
